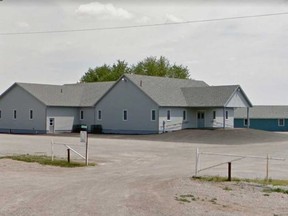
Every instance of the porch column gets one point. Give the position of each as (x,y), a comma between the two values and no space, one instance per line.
(248,118)
(224,123)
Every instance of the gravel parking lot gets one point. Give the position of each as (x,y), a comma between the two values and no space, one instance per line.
(140,177)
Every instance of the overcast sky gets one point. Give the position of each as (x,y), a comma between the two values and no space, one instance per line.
(251,52)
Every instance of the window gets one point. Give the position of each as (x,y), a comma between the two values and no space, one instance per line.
(125,115)
(14,114)
(153,115)
(245,122)
(0,114)
(281,122)
(214,114)
(31,114)
(184,115)
(81,114)
(99,115)
(226,114)
(168,115)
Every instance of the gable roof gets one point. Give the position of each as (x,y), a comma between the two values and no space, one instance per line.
(164,91)
(69,95)
(208,96)
(263,112)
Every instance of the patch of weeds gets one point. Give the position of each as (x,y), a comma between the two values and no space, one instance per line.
(45,160)
(187,198)
(276,190)
(227,188)
(213,200)
(266,194)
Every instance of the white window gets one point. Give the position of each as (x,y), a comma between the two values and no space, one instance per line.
(214,114)
(184,115)
(81,114)
(281,122)
(168,115)
(153,115)
(125,115)
(30,114)
(14,114)
(99,115)
(226,114)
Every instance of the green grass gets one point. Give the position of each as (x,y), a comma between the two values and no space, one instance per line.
(274,182)
(45,160)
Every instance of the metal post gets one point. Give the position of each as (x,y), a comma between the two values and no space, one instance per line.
(68,155)
(267,167)
(196,164)
(86,155)
(229,171)
(52,150)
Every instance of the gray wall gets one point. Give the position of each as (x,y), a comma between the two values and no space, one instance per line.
(126,96)
(21,101)
(65,118)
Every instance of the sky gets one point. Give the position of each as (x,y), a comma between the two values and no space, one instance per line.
(251,52)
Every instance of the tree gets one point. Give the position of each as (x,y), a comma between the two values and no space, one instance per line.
(151,66)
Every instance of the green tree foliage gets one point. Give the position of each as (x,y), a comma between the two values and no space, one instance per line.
(150,66)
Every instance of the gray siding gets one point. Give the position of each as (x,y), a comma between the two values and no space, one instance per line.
(21,101)
(64,118)
(126,96)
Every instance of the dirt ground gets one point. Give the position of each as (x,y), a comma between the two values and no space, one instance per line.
(142,177)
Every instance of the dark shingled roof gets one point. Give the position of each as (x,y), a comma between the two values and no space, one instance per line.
(263,112)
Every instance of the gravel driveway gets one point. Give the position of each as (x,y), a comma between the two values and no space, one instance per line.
(137,177)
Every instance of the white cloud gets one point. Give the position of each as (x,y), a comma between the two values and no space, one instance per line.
(22,24)
(104,11)
(172,18)
(143,20)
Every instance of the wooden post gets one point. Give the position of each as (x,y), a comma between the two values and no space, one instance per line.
(267,168)
(68,155)
(229,171)
(197,161)
(86,153)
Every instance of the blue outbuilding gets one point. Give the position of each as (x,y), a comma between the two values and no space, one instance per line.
(269,118)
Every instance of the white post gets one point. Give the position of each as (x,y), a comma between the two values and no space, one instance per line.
(86,156)
(267,167)
(197,160)
(52,150)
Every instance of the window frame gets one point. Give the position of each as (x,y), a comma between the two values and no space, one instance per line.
(226,114)
(99,115)
(31,114)
(125,115)
(14,114)
(153,115)
(81,114)
(168,115)
(283,122)
(214,114)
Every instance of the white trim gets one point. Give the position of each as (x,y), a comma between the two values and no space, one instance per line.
(99,111)
(281,125)
(123,115)
(153,110)
(81,117)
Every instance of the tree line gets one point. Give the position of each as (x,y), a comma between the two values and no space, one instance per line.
(150,66)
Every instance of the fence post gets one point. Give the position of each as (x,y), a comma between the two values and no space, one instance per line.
(267,167)
(52,150)
(229,171)
(68,155)
(197,161)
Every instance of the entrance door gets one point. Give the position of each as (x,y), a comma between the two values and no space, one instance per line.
(200,119)
(51,125)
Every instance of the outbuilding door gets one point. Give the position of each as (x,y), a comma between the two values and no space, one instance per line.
(51,125)
(200,119)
